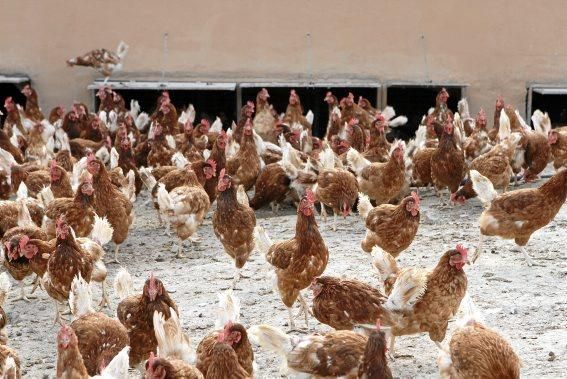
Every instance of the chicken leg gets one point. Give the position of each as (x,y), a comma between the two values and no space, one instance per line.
(304,308)
(180,250)
(291,323)
(275,207)
(323,212)
(58,317)
(478,250)
(104,301)
(529,260)
(36,283)
(237,276)
(23,295)
(334,222)
(116,254)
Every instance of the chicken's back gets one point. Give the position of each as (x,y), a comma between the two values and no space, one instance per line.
(336,354)
(101,338)
(336,186)
(343,303)
(477,351)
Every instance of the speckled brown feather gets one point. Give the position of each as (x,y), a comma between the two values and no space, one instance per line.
(391,227)
(272,185)
(101,338)
(343,303)
(447,164)
(335,187)
(244,166)
(478,352)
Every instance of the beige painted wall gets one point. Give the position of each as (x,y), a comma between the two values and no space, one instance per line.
(495,46)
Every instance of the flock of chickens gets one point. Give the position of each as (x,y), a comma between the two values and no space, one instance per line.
(76,174)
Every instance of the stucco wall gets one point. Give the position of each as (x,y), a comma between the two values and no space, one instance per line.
(495,46)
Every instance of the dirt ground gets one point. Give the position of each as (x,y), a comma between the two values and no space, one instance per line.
(528,305)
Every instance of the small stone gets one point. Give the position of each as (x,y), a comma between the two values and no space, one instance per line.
(142,244)
(160,259)
(551,356)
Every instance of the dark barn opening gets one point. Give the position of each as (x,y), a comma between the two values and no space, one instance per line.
(208,102)
(13,90)
(553,101)
(312,98)
(413,101)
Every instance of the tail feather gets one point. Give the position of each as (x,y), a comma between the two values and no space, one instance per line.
(142,121)
(10,368)
(483,187)
(327,158)
(364,205)
(179,160)
(113,158)
(164,200)
(122,50)
(130,189)
(24,217)
(228,309)
(172,342)
(541,122)
(389,113)
(118,366)
(123,286)
(504,129)
(309,117)
(398,121)
(471,313)
(262,241)
(80,297)
(216,126)
(271,338)
(384,263)
(463,107)
(134,108)
(5,286)
(22,192)
(102,231)
(241,196)
(356,161)
(147,178)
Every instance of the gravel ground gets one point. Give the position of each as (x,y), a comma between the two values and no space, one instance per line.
(528,305)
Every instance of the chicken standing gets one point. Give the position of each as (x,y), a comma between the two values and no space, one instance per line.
(390,227)
(331,355)
(110,202)
(336,187)
(422,300)
(343,303)
(518,214)
(299,260)
(233,224)
(136,313)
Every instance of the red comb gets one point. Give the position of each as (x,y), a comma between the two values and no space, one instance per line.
(378,324)
(53,163)
(310,195)
(415,197)
(222,173)
(353,121)
(24,241)
(90,157)
(213,165)
(205,122)
(461,249)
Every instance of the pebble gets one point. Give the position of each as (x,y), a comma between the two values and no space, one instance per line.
(159,258)
(551,356)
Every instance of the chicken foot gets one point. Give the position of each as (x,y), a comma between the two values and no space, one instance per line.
(291,323)
(23,295)
(522,250)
